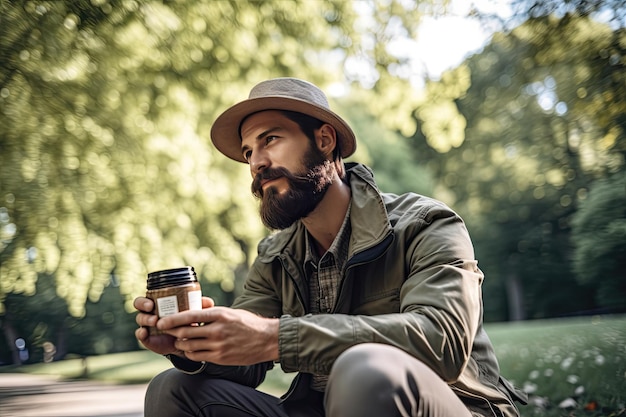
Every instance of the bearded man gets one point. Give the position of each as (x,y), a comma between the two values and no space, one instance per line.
(373,298)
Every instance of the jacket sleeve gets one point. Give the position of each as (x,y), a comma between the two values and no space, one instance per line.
(439,310)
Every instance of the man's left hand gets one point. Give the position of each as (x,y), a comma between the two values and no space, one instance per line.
(223,335)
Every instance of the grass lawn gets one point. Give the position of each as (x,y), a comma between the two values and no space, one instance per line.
(569,367)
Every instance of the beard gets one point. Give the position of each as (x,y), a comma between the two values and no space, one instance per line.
(304,192)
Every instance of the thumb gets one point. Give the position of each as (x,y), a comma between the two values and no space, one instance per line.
(207,302)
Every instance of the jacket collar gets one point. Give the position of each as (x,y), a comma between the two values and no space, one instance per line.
(368,218)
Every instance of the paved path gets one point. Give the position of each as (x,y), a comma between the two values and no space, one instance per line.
(40,396)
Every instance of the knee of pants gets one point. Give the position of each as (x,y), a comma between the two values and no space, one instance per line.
(374,368)
(381,380)
(367,369)
(370,379)
(162,386)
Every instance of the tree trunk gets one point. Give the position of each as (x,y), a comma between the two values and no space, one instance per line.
(11,335)
(61,345)
(515,297)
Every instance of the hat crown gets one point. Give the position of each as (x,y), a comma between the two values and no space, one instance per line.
(289,94)
(291,88)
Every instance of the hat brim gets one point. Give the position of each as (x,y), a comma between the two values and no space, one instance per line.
(225,130)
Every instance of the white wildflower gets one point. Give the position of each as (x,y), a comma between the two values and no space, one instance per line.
(529,387)
(539,402)
(567,362)
(548,372)
(579,390)
(533,374)
(572,379)
(599,360)
(568,403)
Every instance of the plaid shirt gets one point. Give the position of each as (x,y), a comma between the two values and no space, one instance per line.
(324,274)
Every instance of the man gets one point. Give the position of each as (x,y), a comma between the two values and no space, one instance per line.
(375,299)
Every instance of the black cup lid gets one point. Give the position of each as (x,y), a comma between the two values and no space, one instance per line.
(171,277)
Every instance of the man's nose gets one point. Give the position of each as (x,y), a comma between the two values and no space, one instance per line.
(258,162)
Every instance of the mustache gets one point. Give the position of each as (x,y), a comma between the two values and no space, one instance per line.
(272,174)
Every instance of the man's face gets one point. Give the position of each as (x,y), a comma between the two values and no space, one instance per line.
(290,174)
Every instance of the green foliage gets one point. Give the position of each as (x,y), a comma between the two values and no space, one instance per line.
(610,10)
(107,171)
(599,236)
(50,334)
(385,151)
(545,116)
(105,112)
(441,124)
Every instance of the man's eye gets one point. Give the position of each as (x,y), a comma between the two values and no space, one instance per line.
(268,139)
(247,155)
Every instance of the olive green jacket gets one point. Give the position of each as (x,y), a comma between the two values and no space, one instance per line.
(411,281)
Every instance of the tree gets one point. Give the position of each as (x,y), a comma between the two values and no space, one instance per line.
(105,111)
(599,239)
(611,11)
(385,151)
(543,112)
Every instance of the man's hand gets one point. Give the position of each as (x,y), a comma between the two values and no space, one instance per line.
(162,344)
(222,335)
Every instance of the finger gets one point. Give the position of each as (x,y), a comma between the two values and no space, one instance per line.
(194,345)
(143,320)
(207,302)
(160,343)
(188,317)
(143,304)
(192,331)
(142,334)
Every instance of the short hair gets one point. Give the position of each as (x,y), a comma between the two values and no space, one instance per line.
(308,125)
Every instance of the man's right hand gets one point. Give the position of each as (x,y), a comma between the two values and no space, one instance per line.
(163,344)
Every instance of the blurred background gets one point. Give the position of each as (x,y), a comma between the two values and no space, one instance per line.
(107,171)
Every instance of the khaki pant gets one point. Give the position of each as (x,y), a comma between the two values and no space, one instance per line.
(366,380)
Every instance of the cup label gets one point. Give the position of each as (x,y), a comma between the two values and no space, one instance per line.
(167,305)
(195,300)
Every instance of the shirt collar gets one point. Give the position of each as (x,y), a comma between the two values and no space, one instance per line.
(341,241)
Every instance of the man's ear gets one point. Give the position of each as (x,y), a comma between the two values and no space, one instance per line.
(326,140)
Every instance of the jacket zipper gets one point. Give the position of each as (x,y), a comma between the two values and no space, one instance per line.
(361,258)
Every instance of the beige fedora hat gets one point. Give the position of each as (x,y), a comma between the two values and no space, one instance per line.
(278,94)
